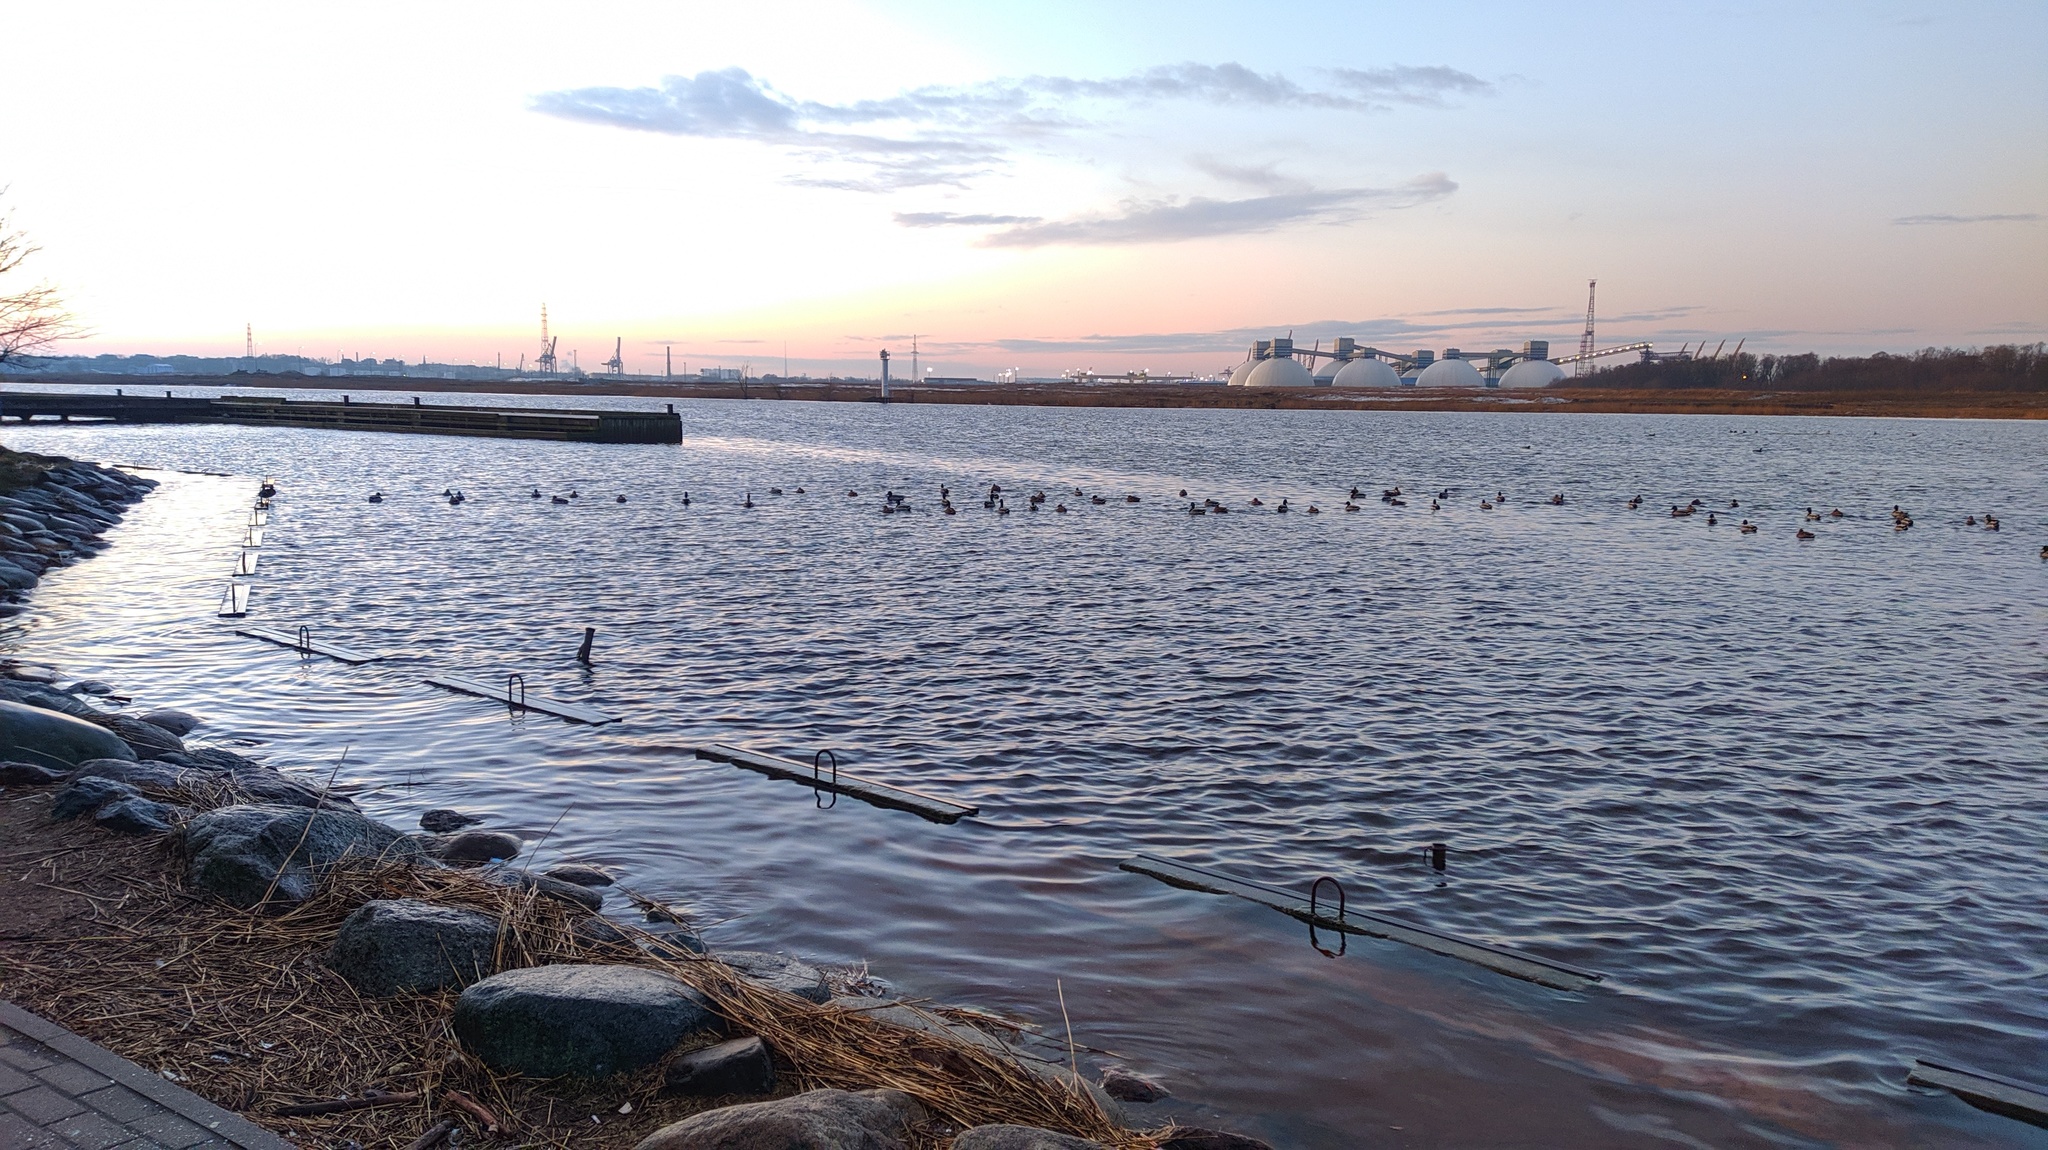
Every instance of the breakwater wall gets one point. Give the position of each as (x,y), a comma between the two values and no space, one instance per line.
(566,424)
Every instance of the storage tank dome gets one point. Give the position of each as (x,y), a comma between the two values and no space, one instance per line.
(1450,373)
(1326,375)
(1242,372)
(1368,373)
(1279,373)
(1532,373)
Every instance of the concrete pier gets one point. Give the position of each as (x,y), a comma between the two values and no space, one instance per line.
(567,424)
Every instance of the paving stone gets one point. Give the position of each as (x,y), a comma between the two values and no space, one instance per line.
(93,1131)
(12,1080)
(25,1054)
(17,1133)
(42,1105)
(171,1130)
(121,1104)
(73,1079)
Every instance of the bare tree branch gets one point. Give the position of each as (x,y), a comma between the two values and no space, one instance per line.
(34,317)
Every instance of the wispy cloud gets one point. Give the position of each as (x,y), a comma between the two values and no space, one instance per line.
(1945,218)
(946,135)
(1166,221)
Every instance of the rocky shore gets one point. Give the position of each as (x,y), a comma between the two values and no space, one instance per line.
(52,512)
(254,935)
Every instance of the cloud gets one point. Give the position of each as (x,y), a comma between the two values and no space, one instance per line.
(1943,218)
(945,135)
(1166,221)
(952,219)
(1265,177)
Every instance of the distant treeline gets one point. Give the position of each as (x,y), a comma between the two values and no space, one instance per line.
(2005,368)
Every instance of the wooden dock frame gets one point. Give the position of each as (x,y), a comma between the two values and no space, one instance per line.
(1325,916)
(838,782)
(574,712)
(309,645)
(1984,1090)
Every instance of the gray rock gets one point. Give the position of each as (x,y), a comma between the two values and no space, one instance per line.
(50,699)
(29,673)
(221,759)
(601,930)
(147,739)
(82,797)
(477,847)
(554,888)
(1196,1138)
(392,946)
(582,874)
(152,773)
(679,945)
(91,687)
(15,578)
(1006,1137)
(741,1066)
(1130,1086)
(779,971)
(179,723)
(441,820)
(584,1021)
(267,785)
(34,735)
(238,852)
(28,775)
(139,816)
(816,1120)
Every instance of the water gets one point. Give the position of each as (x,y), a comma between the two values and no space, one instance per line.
(1787,796)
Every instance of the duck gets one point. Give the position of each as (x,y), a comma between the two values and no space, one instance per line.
(1738,503)
(1356,494)
(775,491)
(1635,503)
(536,493)
(945,493)
(1812,516)
(1485,505)
(748,501)
(1078,493)
(574,494)
(1711,521)
(1835,514)
(267,491)
(995,489)
(852,494)
(1350,506)
(376,497)
(1747,528)
(1500,496)
(1680,512)
(1220,509)
(1060,507)
(1183,493)
(1256,502)
(1282,509)
(621,499)
(2044,551)
(888,509)
(457,499)
(559,501)
(1314,510)
(1557,500)
(947,508)
(1397,503)
(1196,509)
(447,491)
(1130,499)
(1038,497)
(1803,533)
(1097,500)
(1990,524)
(799,491)
(686,499)
(1969,520)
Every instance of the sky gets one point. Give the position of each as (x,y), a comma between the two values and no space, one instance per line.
(1044,185)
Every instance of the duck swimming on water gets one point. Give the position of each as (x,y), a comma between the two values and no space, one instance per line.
(1803,533)
(748,501)
(559,501)
(621,499)
(536,493)
(376,497)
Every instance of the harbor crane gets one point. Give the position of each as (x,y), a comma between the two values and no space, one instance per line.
(616,365)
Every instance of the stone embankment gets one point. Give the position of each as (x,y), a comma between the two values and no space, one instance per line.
(52,512)
(522,991)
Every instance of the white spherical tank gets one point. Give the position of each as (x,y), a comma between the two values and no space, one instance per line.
(1279,373)
(1450,373)
(1242,372)
(1367,373)
(1532,373)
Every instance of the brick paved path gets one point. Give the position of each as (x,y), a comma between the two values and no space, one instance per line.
(59,1091)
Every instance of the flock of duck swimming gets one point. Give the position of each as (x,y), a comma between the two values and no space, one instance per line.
(997,500)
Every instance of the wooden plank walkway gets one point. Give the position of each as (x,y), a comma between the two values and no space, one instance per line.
(1513,963)
(866,790)
(518,700)
(287,639)
(234,603)
(1984,1090)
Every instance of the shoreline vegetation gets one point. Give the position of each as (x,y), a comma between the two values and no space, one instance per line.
(2001,382)
(250,934)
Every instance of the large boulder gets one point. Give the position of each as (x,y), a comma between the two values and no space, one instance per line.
(1007,1137)
(554,888)
(779,971)
(478,847)
(582,1021)
(15,578)
(34,735)
(1126,1085)
(582,874)
(441,820)
(28,775)
(391,946)
(817,1120)
(85,796)
(241,852)
(139,816)
(741,1066)
(147,739)
(179,723)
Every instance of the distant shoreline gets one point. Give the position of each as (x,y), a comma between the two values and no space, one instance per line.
(1585,400)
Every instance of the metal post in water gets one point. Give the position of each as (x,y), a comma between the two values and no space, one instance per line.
(1436,855)
(583,652)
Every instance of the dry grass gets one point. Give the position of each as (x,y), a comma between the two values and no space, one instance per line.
(239,1008)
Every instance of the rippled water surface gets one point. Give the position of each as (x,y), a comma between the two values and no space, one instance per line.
(1788,796)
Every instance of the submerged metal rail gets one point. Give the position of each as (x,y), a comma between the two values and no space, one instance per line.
(866,790)
(574,712)
(1513,963)
(304,643)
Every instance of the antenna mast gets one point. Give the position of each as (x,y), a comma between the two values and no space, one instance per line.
(1586,340)
(249,341)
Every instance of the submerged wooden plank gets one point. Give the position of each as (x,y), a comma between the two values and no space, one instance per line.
(235,602)
(247,564)
(287,639)
(517,699)
(1984,1090)
(254,538)
(866,790)
(1513,963)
